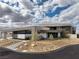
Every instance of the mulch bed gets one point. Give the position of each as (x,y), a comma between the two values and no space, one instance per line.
(67,52)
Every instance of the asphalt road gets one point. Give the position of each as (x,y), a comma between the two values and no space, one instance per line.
(67,52)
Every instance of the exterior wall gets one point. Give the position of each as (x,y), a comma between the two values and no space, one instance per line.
(14,36)
(60,31)
(21,34)
(73,36)
(56,31)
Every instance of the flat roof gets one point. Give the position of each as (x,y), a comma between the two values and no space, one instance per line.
(55,24)
(29,26)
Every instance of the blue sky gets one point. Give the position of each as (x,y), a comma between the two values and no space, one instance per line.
(57,11)
(48,13)
(51,13)
(39,2)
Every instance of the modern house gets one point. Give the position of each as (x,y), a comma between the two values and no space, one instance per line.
(45,30)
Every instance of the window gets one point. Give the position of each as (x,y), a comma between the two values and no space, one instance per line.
(53,28)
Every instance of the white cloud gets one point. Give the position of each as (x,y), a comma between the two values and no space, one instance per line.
(70,14)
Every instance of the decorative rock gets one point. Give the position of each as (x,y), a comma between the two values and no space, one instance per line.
(23,41)
(32,45)
(1,39)
(25,44)
(20,47)
(24,51)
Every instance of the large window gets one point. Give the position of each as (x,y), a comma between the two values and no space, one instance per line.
(22,32)
(53,28)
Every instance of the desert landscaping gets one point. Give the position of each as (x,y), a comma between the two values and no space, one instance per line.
(37,46)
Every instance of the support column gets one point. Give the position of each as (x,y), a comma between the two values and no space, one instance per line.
(0,35)
(34,33)
(71,30)
(4,35)
(59,34)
